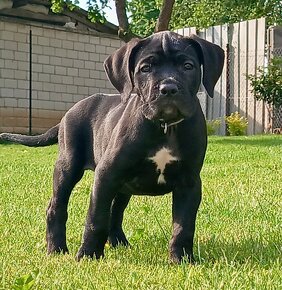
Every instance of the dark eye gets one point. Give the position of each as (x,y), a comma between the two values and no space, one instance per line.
(188,65)
(145,68)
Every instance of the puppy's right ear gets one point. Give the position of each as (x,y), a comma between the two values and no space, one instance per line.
(119,68)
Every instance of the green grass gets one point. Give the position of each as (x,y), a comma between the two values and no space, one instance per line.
(238,236)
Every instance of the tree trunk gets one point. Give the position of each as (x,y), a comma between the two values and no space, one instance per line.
(124,32)
(165,15)
(269,128)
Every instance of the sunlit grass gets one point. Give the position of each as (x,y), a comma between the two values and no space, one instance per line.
(238,236)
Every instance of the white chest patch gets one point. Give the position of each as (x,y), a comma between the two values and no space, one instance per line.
(161,159)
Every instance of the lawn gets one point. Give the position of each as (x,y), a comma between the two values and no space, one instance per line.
(238,236)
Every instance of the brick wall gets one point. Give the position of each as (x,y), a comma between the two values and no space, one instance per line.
(67,66)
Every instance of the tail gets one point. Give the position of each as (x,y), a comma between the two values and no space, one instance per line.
(48,138)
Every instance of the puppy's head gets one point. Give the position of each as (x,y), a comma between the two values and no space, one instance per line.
(165,71)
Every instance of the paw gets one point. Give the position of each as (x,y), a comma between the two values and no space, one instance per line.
(180,255)
(89,253)
(117,237)
(56,249)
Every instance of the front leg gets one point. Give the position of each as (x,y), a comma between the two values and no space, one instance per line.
(98,218)
(186,201)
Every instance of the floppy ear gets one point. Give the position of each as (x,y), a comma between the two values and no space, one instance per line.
(118,67)
(213,61)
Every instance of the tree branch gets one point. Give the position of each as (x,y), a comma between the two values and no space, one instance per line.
(124,32)
(165,15)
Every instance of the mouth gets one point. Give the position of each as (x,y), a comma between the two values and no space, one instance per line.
(167,113)
(170,113)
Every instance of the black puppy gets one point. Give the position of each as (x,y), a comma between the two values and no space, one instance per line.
(151,139)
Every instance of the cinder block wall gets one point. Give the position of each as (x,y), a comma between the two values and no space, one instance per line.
(67,66)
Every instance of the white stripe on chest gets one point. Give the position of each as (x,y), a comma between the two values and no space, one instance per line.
(162,158)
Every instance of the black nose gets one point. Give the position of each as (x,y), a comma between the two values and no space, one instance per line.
(168,89)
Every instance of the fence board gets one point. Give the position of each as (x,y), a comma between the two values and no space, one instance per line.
(234,71)
(217,31)
(219,99)
(243,68)
(189,31)
(261,111)
(252,45)
(223,79)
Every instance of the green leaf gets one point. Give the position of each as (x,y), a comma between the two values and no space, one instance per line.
(26,282)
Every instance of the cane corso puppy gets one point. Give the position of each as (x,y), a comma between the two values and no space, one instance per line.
(148,140)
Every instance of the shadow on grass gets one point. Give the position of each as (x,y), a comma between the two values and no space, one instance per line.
(245,250)
(206,253)
(269,141)
(146,253)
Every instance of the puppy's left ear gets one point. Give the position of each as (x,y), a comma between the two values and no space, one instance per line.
(213,61)
(118,67)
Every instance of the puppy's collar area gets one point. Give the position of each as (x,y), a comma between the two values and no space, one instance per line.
(166,125)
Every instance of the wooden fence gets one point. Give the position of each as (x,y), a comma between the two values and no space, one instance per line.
(244,44)
(274,41)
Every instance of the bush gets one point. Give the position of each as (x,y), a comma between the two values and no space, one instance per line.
(236,125)
(267,86)
(212,126)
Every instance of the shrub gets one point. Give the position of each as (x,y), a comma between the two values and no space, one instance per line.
(236,125)
(267,86)
(212,126)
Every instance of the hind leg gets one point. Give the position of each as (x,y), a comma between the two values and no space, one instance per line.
(68,171)
(116,234)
